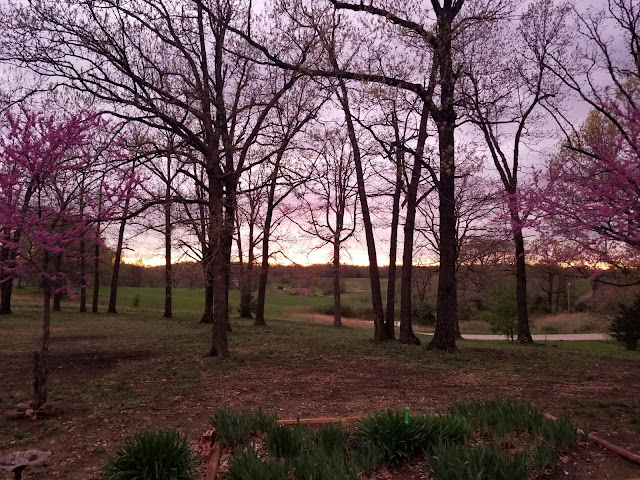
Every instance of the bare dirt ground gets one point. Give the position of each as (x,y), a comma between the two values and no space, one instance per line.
(116,378)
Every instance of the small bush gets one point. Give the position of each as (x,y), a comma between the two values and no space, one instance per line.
(135,302)
(246,464)
(422,312)
(501,311)
(398,438)
(153,455)
(234,428)
(549,329)
(625,327)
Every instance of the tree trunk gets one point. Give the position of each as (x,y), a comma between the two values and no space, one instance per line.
(221,220)
(247,270)
(167,252)
(57,294)
(550,278)
(40,364)
(83,280)
(406,330)
(444,337)
(380,332)
(337,304)
(524,332)
(116,263)
(264,267)
(96,274)
(6,288)
(207,263)
(393,251)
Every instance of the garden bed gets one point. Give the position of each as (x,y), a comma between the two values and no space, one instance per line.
(474,440)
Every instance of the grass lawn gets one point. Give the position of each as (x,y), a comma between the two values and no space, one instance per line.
(116,374)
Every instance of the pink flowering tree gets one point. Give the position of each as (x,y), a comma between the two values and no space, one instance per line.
(53,191)
(589,193)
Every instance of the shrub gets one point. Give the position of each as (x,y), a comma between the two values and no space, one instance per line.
(153,455)
(422,312)
(625,327)
(135,302)
(399,438)
(234,428)
(246,464)
(501,312)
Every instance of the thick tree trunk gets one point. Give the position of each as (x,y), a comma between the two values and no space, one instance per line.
(221,220)
(168,283)
(337,303)
(219,346)
(6,288)
(207,263)
(444,337)
(524,332)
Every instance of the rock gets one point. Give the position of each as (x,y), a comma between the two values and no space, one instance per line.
(29,413)
(23,407)
(49,410)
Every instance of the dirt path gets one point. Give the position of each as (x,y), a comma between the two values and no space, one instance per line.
(542,337)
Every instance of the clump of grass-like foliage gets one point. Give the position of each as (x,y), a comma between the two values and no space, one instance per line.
(235,428)
(399,437)
(152,455)
(501,418)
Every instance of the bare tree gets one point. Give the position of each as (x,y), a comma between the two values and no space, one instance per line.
(173,67)
(505,89)
(331,199)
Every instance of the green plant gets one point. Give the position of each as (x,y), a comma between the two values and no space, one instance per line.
(456,462)
(422,312)
(501,312)
(398,436)
(625,327)
(331,440)
(543,457)
(285,442)
(246,465)
(315,464)
(504,417)
(234,428)
(152,455)
(135,302)
(368,456)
